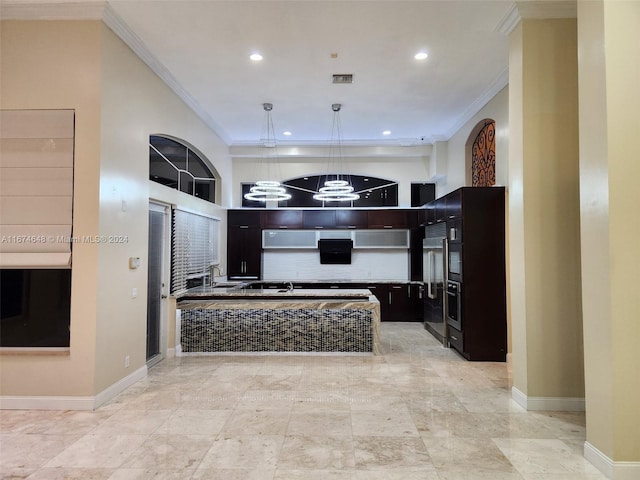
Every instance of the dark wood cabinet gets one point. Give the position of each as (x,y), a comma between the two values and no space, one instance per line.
(399,302)
(282,219)
(422,193)
(244,218)
(480,239)
(319,219)
(387,218)
(244,252)
(400,309)
(440,209)
(351,219)
(453,205)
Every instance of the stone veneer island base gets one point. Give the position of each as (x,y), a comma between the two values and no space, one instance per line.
(286,325)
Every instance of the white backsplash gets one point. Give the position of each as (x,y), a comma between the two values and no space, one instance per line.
(366,264)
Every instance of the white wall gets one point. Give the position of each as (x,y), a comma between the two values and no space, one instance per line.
(373,264)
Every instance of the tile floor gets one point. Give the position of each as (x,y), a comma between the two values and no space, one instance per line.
(418,411)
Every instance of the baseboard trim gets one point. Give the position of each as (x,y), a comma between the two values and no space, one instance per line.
(120,386)
(558,404)
(52,402)
(171,352)
(509,358)
(609,468)
(41,402)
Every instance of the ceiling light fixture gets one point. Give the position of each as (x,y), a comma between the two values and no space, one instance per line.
(421,55)
(256,57)
(268,190)
(336,188)
(387,132)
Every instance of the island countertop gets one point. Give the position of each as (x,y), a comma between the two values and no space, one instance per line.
(236,293)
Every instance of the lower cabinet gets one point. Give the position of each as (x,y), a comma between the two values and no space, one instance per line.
(398,302)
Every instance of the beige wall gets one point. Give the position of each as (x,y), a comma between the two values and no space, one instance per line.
(544,210)
(119,102)
(135,104)
(55,65)
(457,152)
(609,51)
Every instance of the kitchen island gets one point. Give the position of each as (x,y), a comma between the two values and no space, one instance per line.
(226,320)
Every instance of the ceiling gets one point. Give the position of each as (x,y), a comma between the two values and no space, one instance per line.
(202,48)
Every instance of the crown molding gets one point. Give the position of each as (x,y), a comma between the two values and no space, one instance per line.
(535,9)
(501,81)
(101,10)
(122,30)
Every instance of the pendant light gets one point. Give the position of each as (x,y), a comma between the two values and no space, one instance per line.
(268,190)
(336,186)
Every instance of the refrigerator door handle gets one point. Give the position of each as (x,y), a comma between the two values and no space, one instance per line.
(445,279)
(430,266)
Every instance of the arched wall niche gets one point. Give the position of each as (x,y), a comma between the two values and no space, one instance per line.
(480,155)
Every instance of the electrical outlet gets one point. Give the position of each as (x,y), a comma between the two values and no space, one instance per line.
(127,361)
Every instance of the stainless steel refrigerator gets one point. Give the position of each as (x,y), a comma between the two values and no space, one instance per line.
(434,269)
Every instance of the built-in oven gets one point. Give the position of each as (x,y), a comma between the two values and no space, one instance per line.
(454,262)
(454,304)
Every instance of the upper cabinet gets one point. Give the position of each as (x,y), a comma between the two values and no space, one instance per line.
(282,219)
(387,218)
(319,219)
(244,218)
(351,218)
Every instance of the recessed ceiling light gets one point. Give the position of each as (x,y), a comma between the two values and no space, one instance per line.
(421,55)
(256,57)
(387,132)
(287,133)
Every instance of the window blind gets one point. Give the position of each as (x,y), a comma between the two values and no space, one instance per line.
(194,248)
(36,187)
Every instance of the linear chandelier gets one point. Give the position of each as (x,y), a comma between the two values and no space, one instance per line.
(268,190)
(337,189)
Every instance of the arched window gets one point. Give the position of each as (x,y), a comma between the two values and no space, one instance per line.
(483,154)
(176,165)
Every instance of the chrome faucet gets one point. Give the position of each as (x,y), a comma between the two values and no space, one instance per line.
(290,286)
(212,273)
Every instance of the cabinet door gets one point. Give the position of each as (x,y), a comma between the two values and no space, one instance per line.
(400,307)
(351,218)
(381,291)
(318,219)
(282,219)
(244,218)
(244,254)
(387,219)
(453,207)
(441,209)
(430,214)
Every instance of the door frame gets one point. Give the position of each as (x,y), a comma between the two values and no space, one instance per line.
(165,209)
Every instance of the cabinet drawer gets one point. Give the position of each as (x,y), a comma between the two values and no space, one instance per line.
(456,339)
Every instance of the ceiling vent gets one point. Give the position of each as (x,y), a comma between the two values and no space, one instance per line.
(343,78)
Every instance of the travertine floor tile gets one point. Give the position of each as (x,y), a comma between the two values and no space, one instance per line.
(418,411)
